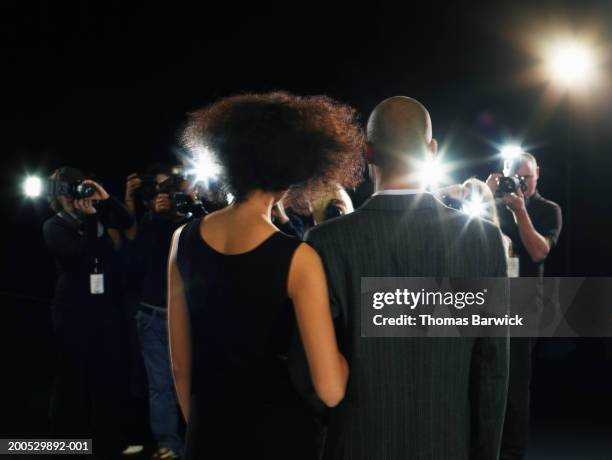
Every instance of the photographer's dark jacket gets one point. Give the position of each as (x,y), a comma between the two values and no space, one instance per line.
(76,243)
(147,259)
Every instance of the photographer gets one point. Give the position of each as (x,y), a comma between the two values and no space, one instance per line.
(85,308)
(533,224)
(166,207)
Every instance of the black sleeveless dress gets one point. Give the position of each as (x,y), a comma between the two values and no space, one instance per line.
(243,404)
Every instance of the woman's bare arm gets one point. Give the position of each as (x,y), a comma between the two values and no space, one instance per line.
(307,288)
(179,330)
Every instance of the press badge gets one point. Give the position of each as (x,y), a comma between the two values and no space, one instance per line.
(96,283)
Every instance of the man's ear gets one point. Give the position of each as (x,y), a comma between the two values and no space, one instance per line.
(433,146)
(538,172)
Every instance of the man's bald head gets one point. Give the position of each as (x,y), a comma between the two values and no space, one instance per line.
(399,129)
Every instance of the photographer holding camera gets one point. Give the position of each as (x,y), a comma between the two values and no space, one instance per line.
(161,197)
(533,223)
(85,308)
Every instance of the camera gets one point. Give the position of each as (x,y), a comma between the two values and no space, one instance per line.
(171,186)
(35,187)
(509,184)
(148,187)
(181,202)
(76,190)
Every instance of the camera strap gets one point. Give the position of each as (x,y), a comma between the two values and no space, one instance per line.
(73,221)
(96,279)
(77,223)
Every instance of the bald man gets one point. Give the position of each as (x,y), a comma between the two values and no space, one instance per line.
(410,398)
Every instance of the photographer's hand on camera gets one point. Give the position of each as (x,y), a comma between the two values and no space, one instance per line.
(537,246)
(197,207)
(112,213)
(515,201)
(521,228)
(162,203)
(493,182)
(132,184)
(100,194)
(84,206)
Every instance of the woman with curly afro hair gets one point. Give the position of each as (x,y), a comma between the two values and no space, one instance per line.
(236,283)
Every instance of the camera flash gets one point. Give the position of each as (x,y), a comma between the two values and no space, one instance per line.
(32,187)
(474,207)
(511,151)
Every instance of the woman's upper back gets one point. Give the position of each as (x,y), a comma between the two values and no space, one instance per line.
(236,292)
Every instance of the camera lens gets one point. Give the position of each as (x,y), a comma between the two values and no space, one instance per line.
(182,202)
(506,185)
(84,190)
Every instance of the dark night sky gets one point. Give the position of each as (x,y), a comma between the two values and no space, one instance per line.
(106,88)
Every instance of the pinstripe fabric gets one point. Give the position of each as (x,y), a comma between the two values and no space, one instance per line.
(412,398)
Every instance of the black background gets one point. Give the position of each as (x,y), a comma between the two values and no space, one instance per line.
(105,87)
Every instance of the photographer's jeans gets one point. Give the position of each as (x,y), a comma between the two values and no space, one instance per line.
(163,403)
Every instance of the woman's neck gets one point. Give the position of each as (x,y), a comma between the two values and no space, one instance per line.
(258,205)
